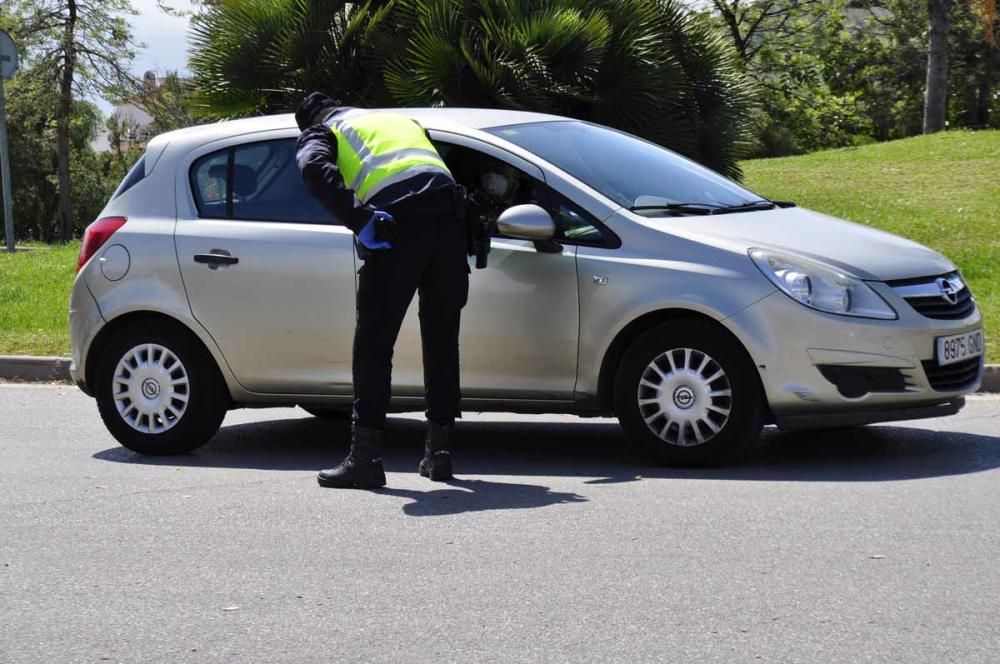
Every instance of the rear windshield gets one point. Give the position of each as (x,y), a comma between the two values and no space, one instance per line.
(134,176)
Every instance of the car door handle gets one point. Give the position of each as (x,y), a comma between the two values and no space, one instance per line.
(215,260)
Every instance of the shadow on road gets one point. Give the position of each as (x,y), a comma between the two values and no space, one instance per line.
(479,496)
(597,450)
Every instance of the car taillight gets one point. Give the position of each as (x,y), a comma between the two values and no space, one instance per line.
(95,236)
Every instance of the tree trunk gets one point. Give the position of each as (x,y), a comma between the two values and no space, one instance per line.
(936,96)
(985,96)
(732,22)
(62,124)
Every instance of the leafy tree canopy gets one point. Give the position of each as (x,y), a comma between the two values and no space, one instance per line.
(844,72)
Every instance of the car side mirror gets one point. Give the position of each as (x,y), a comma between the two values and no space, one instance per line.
(526,222)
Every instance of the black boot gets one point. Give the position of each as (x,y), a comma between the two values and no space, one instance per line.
(436,463)
(362,469)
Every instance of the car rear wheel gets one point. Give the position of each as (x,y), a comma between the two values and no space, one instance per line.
(688,394)
(159,391)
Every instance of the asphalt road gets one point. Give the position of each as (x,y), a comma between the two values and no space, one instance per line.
(874,544)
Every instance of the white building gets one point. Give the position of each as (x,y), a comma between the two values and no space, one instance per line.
(131,117)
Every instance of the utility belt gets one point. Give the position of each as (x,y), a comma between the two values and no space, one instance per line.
(438,201)
(453,200)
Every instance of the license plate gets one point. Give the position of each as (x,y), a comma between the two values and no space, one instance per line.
(959,347)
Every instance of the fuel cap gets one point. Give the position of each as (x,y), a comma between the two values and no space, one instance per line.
(115,262)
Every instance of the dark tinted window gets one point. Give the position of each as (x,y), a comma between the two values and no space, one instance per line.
(132,178)
(255,182)
(494,185)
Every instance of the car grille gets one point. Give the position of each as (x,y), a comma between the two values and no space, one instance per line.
(952,377)
(936,307)
(928,296)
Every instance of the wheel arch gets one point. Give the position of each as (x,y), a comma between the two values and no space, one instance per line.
(636,328)
(134,318)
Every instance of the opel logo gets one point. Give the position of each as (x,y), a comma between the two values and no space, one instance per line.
(150,388)
(683,397)
(949,291)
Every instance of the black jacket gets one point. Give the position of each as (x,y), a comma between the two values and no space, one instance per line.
(316,154)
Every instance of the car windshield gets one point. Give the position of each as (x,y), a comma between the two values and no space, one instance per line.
(632,172)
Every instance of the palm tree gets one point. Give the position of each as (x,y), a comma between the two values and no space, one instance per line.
(260,56)
(649,67)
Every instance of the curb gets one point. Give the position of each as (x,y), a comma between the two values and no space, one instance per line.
(991,378)
(30,369)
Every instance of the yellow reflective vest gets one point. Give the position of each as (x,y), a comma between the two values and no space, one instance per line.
(376,149)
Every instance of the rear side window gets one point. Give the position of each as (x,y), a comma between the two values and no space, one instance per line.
(255,182)
(132,178)
(210,182)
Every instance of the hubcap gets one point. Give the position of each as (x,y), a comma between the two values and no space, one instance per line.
(151,388)
(685,397)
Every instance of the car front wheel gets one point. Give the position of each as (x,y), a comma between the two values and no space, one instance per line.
(688,394)
(159,391)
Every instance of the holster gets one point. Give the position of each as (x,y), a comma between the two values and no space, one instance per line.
(478,226)
(479,237)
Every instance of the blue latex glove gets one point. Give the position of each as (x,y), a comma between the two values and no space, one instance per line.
(368,236)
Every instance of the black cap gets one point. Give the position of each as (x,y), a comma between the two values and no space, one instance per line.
(315,107)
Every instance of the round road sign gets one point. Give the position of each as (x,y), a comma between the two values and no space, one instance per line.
(8,56)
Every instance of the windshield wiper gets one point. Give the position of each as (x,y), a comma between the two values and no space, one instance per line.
(711,208)
(685,208)
(752,206)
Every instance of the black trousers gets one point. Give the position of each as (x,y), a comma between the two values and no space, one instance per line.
(429,256)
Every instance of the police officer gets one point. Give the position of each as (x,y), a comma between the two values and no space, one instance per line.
(379,173)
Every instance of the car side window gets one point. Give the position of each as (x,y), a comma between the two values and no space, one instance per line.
(210,184)
(255,182)
(494,185)
(132,178)
(573,223)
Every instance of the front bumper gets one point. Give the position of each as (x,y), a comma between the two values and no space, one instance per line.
(793,346)
(859,417)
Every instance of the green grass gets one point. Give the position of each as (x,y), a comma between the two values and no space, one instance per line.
(941,190)
(34,299)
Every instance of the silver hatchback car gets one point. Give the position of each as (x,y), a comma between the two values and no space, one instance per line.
(624,280)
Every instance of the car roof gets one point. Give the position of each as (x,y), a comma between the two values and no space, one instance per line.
(431,118)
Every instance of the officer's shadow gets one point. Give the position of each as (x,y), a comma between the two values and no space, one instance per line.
(479,496)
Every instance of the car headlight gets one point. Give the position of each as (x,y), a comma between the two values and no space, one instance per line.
(821,286)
